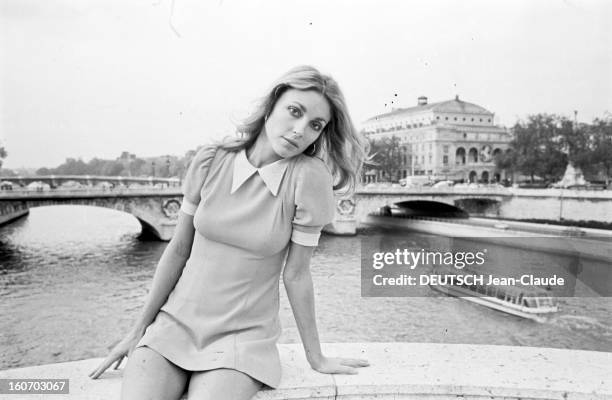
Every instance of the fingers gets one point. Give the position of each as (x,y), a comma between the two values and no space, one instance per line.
(102,367)
(118,363)
(344,370)
(354,362)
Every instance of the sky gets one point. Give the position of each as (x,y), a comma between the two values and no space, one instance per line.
(86,79)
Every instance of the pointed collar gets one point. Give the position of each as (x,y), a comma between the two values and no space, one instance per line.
(271,174)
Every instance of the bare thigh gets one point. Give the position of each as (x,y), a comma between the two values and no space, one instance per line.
(149,376)
(222,384)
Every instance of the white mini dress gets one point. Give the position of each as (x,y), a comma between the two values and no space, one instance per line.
(223,311)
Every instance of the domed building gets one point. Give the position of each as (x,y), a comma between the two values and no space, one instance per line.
(453,140)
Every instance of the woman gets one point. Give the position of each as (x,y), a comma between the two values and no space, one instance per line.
(210,323)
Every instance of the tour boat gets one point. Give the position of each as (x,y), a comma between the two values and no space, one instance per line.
(524,302)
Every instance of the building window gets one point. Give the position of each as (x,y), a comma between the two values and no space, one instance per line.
(445,148)
(480,119)
(429,162)
(455,118)
(464,118)
(445,160)
(489,120)
(446,118)
(438,117)
(472,119)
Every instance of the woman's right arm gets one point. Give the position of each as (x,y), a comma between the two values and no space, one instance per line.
(172,261)
(167,273)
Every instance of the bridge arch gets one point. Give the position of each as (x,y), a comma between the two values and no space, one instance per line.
(429,208)
(157,213)
(479,206)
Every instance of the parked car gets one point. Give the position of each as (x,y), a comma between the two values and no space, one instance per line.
(70,185)
(38,186)
(6,185)
(443,184)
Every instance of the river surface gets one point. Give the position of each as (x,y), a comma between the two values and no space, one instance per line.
(73,280)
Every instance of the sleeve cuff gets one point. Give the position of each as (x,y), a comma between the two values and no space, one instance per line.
(305,239)
(188,208)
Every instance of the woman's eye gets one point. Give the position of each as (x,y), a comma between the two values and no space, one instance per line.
(295,111)
(317,126)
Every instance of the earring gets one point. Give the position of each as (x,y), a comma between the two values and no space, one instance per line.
(312,150)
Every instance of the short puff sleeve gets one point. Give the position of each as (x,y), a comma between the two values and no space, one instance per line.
(314,202)
(195,177)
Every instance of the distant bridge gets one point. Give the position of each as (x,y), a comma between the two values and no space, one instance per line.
(154,202)
(57,181)
(548,204)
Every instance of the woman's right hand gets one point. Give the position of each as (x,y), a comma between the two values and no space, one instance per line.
(118,352)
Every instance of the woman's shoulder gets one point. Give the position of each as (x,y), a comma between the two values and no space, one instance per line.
(312,174)
(204,155)
(315,167)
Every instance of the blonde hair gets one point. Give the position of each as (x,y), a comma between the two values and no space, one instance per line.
(339,145)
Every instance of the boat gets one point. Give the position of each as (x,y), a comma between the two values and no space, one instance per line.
(534,304)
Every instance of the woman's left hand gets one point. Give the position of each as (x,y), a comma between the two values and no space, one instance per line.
(332,365)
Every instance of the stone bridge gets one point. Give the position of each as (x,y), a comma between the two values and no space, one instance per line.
(512,203)
(155,208)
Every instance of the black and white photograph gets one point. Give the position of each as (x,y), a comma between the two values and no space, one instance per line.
(232,199)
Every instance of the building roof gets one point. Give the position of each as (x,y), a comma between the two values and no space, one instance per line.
(450,106)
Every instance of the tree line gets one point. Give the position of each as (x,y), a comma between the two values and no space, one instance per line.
(127,164)
(544,144)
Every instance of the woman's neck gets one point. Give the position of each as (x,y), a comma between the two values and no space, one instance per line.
(261,153)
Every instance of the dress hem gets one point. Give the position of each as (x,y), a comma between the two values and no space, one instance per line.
(273,384)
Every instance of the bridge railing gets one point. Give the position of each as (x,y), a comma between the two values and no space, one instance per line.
(428,190)
(28,192)
(486,190)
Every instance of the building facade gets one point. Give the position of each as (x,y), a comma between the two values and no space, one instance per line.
(449,140)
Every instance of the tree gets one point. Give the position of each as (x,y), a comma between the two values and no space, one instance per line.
(3,155)
(43,171)
(600,134)
(386,156)
(540,145)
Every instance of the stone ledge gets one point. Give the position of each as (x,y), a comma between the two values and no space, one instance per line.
(397,371)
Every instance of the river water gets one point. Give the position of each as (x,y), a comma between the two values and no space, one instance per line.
(73,280)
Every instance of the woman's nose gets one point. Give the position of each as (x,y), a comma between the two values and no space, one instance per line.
(299,128)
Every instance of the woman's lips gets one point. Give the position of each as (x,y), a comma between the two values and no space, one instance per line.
(291,142)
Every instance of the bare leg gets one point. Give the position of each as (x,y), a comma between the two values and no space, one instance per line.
(149,376)
(222,384)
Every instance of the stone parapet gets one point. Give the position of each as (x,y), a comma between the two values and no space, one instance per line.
(398,371)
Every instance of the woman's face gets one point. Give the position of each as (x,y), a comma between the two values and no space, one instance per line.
(297,120)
